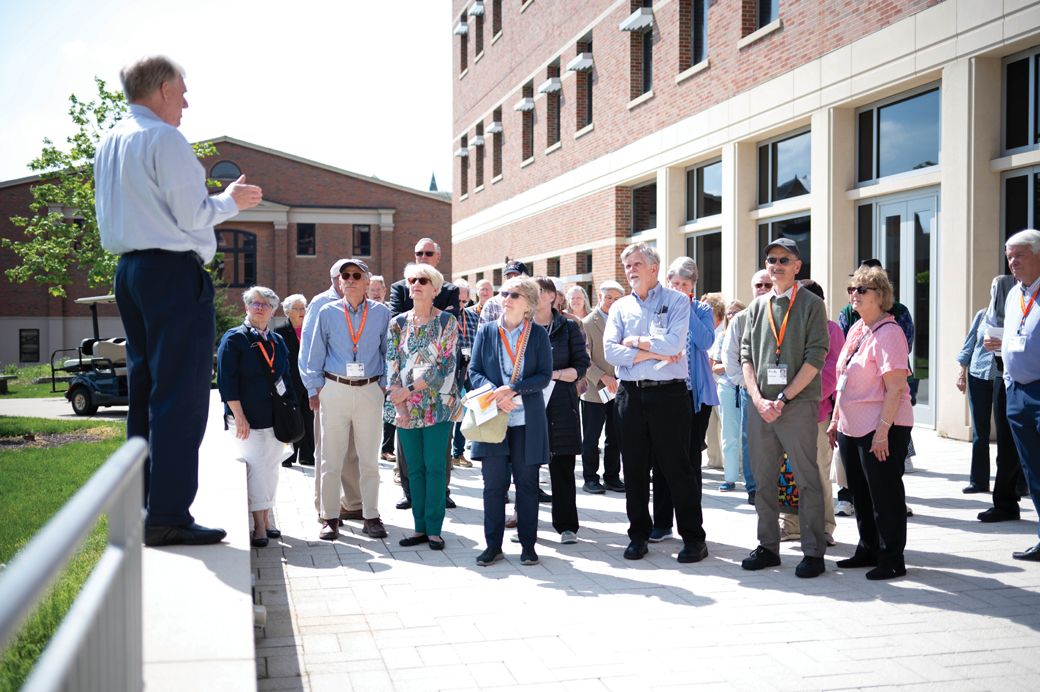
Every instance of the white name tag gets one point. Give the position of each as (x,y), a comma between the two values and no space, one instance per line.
(841,383)
(355,370)
(1015,344)
(657,330)
(279,387)
(776,374)
(466,352)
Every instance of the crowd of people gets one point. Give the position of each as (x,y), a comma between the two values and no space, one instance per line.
(381,372)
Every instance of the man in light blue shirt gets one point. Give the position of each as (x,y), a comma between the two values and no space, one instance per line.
(644,341)
(154,210)
(1021,348)
(345,376)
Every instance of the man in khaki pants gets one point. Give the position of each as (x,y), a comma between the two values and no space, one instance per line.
(346,382)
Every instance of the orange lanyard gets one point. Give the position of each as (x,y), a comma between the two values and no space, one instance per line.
(505,342)
(1026,308)
(356,338)
(268,358)
(783,325)
(463,331)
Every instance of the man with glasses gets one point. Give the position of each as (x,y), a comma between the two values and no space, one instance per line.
(345,374)
(761,284)
(783,349)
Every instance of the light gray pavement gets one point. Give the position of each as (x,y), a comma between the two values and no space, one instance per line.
(366,614)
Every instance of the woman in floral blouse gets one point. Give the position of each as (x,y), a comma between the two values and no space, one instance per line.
(423,397)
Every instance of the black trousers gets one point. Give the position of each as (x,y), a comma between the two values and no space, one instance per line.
(1009,470)
(593,418)
(389,433)
(170,326)
(564,505)
(496,472)
(878,493)
(654,424)
(663,506)
(303,451)
(980,404)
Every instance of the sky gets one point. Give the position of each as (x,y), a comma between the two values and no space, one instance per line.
(361,85)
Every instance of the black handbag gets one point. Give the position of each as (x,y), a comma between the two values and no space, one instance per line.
(288,421)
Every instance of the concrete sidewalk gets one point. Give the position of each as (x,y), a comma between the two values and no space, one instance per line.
(365,614)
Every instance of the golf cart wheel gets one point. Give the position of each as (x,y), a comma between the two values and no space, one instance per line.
(82,404)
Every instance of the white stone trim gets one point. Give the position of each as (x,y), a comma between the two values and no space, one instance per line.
(692,70)
(769,28)
(640,99)
(1019,160)
(584,131)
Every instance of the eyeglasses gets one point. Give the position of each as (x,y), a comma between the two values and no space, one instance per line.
(352,275)
(425,253)
(859,289)
(260,306)
(511,294)
(763,284)
(782,260)
(422,280)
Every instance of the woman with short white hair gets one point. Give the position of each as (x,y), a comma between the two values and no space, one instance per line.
(578,302)
(249,357)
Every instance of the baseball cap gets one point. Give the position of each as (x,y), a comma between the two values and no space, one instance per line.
(516,268)
(611,285)
(871,263)
(356,262)
(336,268)
(785,244)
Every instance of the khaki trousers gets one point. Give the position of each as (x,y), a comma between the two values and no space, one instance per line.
(824,454)
(350,480)
(350,415)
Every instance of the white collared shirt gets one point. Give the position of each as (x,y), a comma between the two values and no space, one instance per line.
(150,190)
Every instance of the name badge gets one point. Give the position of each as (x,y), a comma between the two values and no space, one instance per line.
(1015,344)
(466,352)
(657,330)
(776,374)
(355,370)
(841,383)
(279,387)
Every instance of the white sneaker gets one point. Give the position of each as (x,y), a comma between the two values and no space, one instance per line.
(515,538)
(568,537)
(844,508)
(908,466)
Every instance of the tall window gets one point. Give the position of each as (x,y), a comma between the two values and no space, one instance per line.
(644,208)
(238,267)
(797,229)
(462,29)
(478,157)
(552,266)
(28,345)
(1022,100)
(898,135)
(784,168)
(527,116)
(306,239)
(496,148)
(478,33)
(496,278)
(362,240)
(583,89)
(768,12)
(463,154)
(648,54)
(640,25)
(496,17)
(706,250)
(699,42)
(704,191)
(1021,200)
(552,105)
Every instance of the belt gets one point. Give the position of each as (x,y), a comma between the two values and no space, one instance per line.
(643,384)
(351,383)
(158,251)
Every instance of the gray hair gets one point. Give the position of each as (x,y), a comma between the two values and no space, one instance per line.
(259,293)
(462,284)
(292,301)
(528,288)
(427,270)
(648,253)
(684,268)
(423,241)
(485,281)
(575,290)
(377,279)
(1029,237)
(143,76)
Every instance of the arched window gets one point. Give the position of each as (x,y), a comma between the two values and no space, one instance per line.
(239,264)
(225,171)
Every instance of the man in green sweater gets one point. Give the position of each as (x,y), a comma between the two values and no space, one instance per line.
(784,346)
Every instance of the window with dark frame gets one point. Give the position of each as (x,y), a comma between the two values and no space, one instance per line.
(362,240)
(798,229)
(784,168)
(641,52)
(28,345)
(463,45)
(527,117)
(648,54)
(898,136)
(225,171)
(704,191)
(583,262)
(464,166)
(497,144)
(1022,101)
(1021,200)
(496,17)
(306,239)
(496,278)
(644,208)
(706,250)
(552,108)
(478,157)
(768,12)
(552,266)
(583,86)
(478,34)
(699,43)
(238,266)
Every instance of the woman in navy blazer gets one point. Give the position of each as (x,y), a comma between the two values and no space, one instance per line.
(526,445)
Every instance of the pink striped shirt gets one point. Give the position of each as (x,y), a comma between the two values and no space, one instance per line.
(867,356)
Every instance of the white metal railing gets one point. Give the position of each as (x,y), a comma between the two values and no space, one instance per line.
(98,645)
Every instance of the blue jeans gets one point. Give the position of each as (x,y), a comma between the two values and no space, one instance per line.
(745,453)
(729,412)
(1023,414)
(458,440)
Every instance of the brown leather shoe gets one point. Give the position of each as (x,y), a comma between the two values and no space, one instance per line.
(329,530)
(374,528)
(348,514)
(461,462)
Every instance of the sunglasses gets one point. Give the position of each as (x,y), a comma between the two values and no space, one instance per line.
(511,294)
(260,306)
(782,260)
(425,253)
(352,275)
(859,289)
(763,285)
(422,280)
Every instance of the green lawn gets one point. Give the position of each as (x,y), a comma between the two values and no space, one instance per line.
(23,388)
(34,484)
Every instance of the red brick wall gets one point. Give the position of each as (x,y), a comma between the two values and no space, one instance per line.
(546,30)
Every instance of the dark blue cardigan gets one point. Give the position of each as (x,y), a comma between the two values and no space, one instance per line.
(485,367)
(240,375)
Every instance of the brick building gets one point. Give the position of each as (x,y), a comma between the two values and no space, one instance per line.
(900,129)
(312,214)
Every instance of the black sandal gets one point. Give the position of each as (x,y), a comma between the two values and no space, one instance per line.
(274,533)
(413,540)
(436,544)
(258,542)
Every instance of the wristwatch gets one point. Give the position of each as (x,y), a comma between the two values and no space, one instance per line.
(781,397)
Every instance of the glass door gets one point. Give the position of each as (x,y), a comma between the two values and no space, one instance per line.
(905,240)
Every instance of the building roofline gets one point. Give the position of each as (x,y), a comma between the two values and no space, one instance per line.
(18,181)
(332,169)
